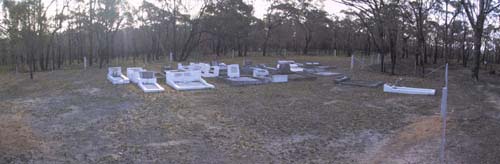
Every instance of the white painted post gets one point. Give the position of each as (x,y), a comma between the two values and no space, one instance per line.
(171,57)
(444,99)
(335,52)
(352,62)
(84,62)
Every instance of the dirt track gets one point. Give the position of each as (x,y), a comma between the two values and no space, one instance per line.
(76,116)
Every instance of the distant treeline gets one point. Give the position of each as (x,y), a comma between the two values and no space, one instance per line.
(426,31)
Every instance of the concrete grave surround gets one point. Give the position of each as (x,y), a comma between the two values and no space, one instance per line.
(234,78)
(147,82)
(116,77)
(186,80)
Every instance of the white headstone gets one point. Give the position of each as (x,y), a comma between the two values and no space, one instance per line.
(171,57)
(233,71)
(84,62)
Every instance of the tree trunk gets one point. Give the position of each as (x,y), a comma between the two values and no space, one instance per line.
(477,53)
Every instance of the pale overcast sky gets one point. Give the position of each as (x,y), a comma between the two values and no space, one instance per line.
(260,6)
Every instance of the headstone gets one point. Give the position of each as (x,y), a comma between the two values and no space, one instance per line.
(284,68)
(147,75)
(233,71)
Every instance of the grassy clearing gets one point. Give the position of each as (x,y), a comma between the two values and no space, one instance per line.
(76,116)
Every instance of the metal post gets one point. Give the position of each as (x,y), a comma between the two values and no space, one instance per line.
(444,100)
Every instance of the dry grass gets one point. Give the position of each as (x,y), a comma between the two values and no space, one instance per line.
(80,117)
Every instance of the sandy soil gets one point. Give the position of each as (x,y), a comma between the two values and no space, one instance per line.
(77,116)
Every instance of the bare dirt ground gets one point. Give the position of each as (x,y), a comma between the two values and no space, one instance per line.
(77,116)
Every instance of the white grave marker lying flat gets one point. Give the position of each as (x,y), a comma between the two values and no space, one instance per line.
(260,73)
(408,90)
(116,77)
(133,73)
(286,61)
(279,78)
(326,73)
(296,68)
(186,80)
(147,82)
(190,67)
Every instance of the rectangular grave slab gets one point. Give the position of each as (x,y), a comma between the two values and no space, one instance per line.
(234,78)
(279,78)
(186,80)
(147,82)
(241,81)
(116,77)
(326,73)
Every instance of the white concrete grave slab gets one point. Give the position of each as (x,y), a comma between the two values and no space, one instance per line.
(186,80)
(407,90)
(116,77)
(147,82)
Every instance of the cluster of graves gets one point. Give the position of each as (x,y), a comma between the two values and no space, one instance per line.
(191,77)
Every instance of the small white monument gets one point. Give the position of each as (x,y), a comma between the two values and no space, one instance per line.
(116,77)
(186,80)
(147,82)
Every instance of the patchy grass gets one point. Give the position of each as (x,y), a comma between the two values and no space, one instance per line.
(77,116)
